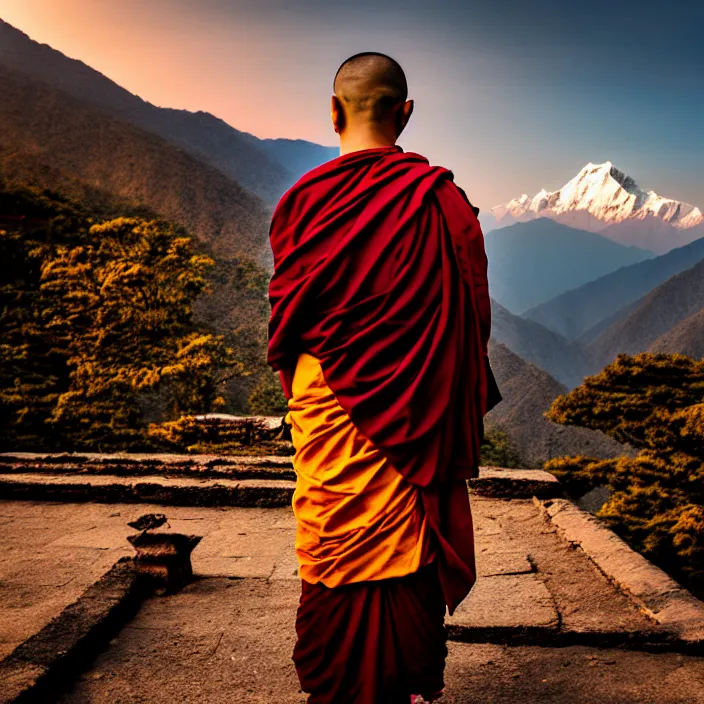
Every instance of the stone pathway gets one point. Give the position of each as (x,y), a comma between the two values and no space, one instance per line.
(533,587)
(222,640)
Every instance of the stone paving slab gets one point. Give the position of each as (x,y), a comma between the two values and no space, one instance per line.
(502,561)
(588,605)
(221,641)
(50,553)
(506,603)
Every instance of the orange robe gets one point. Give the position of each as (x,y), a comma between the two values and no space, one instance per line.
(358,519)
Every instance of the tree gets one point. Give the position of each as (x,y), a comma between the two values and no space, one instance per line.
(655,403)
(96,316)
(497,450)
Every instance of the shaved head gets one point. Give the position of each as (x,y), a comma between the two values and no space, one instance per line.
(370,86)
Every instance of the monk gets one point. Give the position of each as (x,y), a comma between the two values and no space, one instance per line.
(379,330)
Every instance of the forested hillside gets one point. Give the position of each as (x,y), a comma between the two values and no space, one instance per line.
(99,335)
(655,402)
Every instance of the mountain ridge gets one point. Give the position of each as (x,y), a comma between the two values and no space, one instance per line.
(575,312)
(51,140)
(687,337)
(601,195)
(241,156)
(652,318)
(564,360)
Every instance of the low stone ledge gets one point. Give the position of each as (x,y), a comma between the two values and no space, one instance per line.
(492,481)
(656,594)
(44,662)
(496,482)
(246,493)
(140,464)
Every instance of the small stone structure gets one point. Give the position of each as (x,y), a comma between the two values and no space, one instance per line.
(165,558)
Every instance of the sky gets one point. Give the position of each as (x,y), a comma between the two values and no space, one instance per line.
(512,96)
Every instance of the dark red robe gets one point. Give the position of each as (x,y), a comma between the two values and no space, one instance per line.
(380,273)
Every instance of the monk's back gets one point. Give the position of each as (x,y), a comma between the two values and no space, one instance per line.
(379,331)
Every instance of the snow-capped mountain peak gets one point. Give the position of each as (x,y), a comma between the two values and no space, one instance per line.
(599,196)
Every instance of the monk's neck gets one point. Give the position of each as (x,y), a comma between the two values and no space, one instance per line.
(357,141)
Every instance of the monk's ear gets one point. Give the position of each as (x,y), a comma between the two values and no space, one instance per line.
(337,114)
(403,116)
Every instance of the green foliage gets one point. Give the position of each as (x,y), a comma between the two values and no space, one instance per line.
(655,402)
(267,398)
(497,451)
(95,317)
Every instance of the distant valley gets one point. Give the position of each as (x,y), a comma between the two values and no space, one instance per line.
(533,262)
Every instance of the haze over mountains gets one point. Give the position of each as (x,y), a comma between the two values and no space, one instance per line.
(601,198)
(533,262)
(576,311)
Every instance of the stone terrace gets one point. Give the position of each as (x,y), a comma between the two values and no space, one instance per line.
(562,611)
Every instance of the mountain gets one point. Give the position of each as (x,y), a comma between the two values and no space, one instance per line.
(656,315)
(574,312)
(297,155)
(687,337)
(528,393)
(601,196)
(652,233)
(563,360)
(265,167)
(52,140)
(533,262)
(590,335)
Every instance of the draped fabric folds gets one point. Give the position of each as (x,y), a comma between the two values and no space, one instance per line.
(380,273)
(396,646)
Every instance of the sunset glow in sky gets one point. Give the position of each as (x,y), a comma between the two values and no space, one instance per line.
(512,96)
